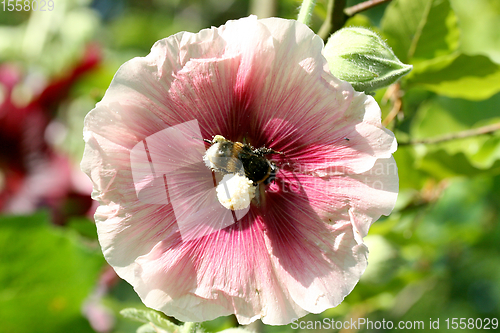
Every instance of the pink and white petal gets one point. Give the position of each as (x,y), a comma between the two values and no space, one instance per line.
(241,271)
(226,272)
(323,232)
(218,92)
(357,199)
(252,41)
(296,91)
(127,226)
(326,285)
(318,262)
(141,93)
(108,166)
(372,194)
(350,145)
(363,139)
(121,238)
(302,106)
(205,90)
(143,82)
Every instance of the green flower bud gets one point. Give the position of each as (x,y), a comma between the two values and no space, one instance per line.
(360,57)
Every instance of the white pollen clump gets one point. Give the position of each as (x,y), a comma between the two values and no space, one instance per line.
(235,192)
(210,154)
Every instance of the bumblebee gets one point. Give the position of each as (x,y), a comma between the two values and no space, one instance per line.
(228,157)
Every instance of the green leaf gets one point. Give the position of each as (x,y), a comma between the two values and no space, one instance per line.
(149,316)
(45,275)
(441,164)
(236,330)
(149,328)
(383,260)
(419,30)
(409,177)
(360,57)
(458,213)
(457,114)
(156,321)
(488,154)
(468,156)
(479,21)
(458,75)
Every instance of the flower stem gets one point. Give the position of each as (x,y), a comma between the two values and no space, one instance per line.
(263,8)
(306,10)
(458,135)
(360,7)
(335,18)
(337,14)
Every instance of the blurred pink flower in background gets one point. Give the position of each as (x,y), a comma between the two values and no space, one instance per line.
(33,174)
(299,248)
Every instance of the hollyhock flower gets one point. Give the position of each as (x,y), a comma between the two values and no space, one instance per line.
(297,247)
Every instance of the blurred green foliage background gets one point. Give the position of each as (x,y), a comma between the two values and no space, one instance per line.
(436,257)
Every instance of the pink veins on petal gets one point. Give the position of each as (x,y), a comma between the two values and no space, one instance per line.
(298,247)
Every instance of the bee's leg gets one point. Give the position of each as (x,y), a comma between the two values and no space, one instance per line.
(267,151)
